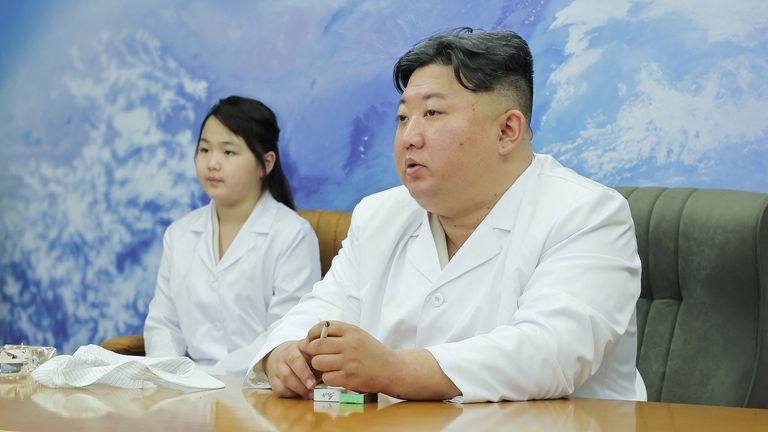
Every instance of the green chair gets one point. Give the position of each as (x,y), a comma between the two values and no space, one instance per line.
(703,311)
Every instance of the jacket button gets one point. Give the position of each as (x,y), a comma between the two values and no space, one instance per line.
(437,300)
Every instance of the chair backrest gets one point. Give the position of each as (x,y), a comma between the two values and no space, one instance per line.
(331,227)
(703,310)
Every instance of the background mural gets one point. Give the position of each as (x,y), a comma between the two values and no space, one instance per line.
(100,103)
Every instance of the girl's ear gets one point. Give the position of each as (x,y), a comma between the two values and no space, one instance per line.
(269,162)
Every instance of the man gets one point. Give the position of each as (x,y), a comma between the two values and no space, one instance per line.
(493,274)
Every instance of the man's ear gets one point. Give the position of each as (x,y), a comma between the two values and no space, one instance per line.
(512,131)
(269,162)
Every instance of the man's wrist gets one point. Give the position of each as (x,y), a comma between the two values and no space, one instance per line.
(265,362)
(396,374)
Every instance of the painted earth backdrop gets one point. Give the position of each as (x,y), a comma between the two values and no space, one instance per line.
(100,103)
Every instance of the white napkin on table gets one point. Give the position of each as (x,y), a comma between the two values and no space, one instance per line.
(92,364)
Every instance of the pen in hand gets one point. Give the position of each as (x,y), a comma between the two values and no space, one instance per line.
(324,331)
(323,335)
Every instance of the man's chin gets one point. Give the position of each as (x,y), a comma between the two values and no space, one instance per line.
(425,196)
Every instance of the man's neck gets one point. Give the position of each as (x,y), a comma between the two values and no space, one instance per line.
(459,228)
(459,225)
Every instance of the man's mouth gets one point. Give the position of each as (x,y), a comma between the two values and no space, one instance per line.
(412,168)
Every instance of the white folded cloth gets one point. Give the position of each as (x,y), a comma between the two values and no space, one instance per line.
(92,364)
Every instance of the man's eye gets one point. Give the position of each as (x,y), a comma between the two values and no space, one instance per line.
(202,150)
(432,113)
(229,152)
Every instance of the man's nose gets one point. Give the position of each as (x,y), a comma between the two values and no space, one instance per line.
(412,134)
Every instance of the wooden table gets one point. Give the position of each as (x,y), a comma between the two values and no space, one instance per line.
(28,406)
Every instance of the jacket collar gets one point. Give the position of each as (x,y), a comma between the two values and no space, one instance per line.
(423,252)
(503,215)
(485,242)
(259,222)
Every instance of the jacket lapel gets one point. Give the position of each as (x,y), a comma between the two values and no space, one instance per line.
(204,229)
(481,246)
(423,254)
(258,223)
(486,241)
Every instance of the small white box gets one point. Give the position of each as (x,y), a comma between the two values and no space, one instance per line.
(324,393)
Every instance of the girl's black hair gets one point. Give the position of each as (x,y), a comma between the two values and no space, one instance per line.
(256,124)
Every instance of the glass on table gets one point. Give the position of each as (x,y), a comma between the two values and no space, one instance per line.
(18,361)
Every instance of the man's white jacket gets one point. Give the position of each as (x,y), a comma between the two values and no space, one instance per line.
(539,302)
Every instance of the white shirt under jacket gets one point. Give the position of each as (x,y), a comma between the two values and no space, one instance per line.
(218,313)
(538,303)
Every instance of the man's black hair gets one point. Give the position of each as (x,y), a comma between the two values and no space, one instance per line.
(481,62)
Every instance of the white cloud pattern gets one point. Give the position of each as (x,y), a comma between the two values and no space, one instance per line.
(92,251)
(690,115)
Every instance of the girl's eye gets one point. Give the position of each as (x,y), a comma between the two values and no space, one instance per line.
(229,152)
(401,118)
(202,150)
(432,113)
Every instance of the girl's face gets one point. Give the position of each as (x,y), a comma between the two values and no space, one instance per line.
(227,169)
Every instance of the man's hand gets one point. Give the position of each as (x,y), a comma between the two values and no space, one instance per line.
(289,372)
(351,358)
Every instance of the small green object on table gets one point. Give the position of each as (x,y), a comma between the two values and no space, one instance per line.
(350,397)
(325,393)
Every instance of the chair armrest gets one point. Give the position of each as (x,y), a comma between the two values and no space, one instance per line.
(128,345)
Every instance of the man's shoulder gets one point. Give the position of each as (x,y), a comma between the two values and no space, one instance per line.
(393,206)
(397,195)
(561,184)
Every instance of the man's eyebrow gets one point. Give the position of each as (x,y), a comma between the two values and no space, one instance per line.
(427,96)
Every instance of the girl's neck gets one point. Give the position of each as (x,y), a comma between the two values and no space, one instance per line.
(236,214)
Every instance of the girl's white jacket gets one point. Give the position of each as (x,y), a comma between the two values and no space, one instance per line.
(217,313)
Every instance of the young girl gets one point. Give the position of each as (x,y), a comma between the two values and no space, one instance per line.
(233,267)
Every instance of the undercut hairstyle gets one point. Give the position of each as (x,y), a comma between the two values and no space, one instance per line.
(494,61)
(256,124)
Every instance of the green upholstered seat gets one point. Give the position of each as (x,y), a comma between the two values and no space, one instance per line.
(703,310)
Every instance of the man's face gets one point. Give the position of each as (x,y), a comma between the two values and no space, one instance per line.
(446,138)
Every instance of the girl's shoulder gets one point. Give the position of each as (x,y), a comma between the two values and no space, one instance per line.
(195,220)
(288,219)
